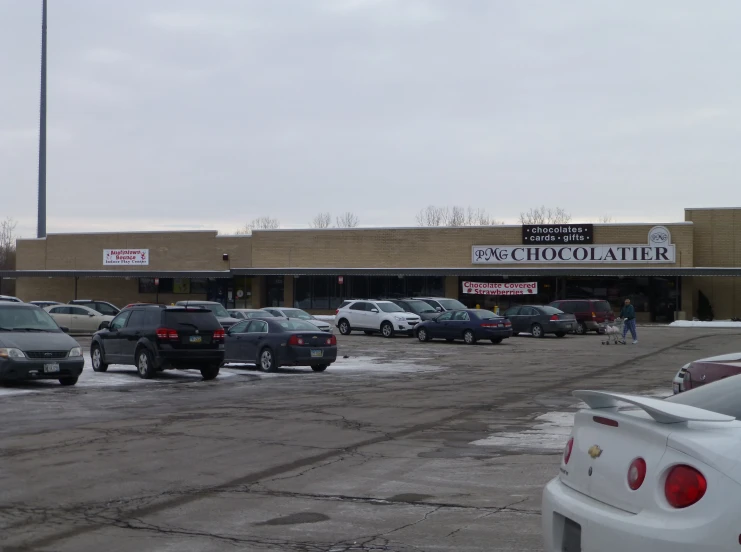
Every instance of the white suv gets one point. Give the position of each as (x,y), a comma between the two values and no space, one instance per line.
(375,316)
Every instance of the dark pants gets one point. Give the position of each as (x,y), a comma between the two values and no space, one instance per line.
(630,324)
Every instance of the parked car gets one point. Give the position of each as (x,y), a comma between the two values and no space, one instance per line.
(470,325)
(539,320)
(103,307)
(247,314)
(442,304)
(223,316)
(155,339)
(589,313)
(301,315)
(375,316)
(274,342)
(80,319)
(44,304)
(33,346)
(706,370)
(628,475)
(10,299)
(416,306)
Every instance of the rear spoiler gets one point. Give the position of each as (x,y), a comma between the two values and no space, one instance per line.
(662,411)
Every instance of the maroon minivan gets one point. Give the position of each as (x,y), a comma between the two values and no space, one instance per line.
(589,313)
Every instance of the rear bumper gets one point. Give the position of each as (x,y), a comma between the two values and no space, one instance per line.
(302,356)
(608,529)
(493,333)
(18,370)
(192,357)
(561,326)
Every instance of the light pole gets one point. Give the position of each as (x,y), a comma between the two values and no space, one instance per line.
(41,226)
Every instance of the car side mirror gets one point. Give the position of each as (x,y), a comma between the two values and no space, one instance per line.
(105,324)
(65,329)
(374,310)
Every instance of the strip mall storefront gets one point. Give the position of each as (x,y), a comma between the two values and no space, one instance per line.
(663,268)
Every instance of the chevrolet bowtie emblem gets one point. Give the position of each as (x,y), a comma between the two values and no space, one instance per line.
(594,451)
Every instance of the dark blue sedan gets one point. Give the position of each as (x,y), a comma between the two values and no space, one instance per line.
(470,325)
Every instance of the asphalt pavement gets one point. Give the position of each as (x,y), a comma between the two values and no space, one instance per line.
(401,446)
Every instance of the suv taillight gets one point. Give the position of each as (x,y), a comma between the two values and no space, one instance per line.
(167,334)
(337,312)
(684,486)
(594,315)
(219,335)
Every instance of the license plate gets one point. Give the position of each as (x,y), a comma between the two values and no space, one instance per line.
(195,339)
(317,353)
(51,368)
(571,536)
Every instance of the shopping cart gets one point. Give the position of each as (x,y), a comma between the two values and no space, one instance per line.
(613,332)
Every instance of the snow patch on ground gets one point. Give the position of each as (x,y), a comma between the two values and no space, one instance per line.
(698,324)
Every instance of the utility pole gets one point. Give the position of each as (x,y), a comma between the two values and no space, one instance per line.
(41,226)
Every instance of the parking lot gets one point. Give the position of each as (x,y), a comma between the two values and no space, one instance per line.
(399,446)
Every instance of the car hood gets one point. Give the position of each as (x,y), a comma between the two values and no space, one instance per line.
(37,341)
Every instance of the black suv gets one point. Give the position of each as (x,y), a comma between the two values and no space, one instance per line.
(103,307)
(416,306)
(154,338)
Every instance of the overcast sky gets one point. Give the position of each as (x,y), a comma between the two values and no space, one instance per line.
(175,114)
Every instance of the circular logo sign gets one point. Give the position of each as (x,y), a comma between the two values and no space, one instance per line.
(240,293)
(659,235)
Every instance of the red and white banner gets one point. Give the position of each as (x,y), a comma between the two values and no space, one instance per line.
(500,288)
(125,257)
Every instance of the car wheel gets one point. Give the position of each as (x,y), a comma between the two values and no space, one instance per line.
(68,381)
(319,368)
(422,335)
(560,334)
(537,330)
(344,327)
(387,330)
(496,340)
(581,328)
(210,372)
(96,355)
(267,360)
(469,338)
(145,364)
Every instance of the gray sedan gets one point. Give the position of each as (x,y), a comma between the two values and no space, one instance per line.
(539,320)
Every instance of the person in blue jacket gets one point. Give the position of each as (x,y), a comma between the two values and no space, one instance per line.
(628,313)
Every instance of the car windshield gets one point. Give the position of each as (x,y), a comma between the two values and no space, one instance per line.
(451,304)
(486,314)
(26,319)
(551,310)
(722,396)
(420,307)
(297,313)
(389,307)
(215,308)
(297,326)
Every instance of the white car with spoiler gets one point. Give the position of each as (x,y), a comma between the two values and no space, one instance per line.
(663,476)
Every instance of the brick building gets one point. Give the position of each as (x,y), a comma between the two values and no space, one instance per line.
(661,267)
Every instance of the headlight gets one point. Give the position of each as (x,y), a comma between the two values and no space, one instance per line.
(75,352)
(402,318)
(11,353)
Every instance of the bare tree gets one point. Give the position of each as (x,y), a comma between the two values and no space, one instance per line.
(545,215)
(432,216)
(260,223)
(7,243)
(454,216)
(322,220)
(347,220)
(605,219)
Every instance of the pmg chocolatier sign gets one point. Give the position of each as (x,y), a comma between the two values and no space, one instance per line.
(658,250)
(557,233)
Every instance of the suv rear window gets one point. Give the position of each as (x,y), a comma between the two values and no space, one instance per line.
(602,306)
(203,320)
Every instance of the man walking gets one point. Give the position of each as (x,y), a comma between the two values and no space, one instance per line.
(628,313)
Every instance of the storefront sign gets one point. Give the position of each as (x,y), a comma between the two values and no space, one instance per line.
(125,257)
(659,250)
(500,288)
(557,233)
(340,280)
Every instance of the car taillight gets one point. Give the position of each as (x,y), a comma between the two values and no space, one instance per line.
(219,335)
(164,334)
(332,340)
(567,451)
(337,312)
(636,473)
(488,325)
(684,486)
(554,318)
(295,340)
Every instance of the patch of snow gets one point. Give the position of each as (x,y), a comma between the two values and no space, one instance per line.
(550,433)
(699,324)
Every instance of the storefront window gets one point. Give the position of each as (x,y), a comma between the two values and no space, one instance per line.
(198,285)
(378,287)
(274,291)
(242,292)
(320,287)
(357,287)
(181,285)
(146,285)
(302,293)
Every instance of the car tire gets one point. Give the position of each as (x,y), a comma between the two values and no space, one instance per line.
(422,335)
(344,327)
(581,329)
(536,330)
(67,382)
(98,360)
(496,340)
(266,360)
(210,372)
(145,364)
(319,367)
(387,329)
(560,334)
(469,337)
